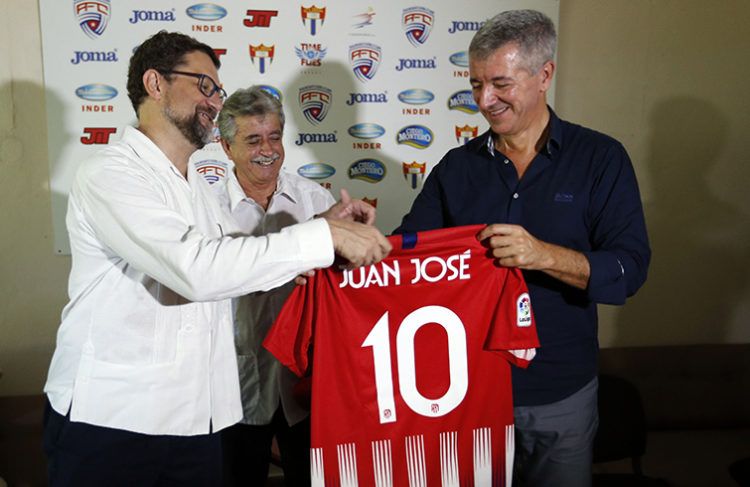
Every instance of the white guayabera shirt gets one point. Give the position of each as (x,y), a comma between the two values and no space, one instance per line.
(146,341)
(264,381)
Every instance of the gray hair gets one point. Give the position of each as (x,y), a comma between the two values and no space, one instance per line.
(253,101)
(532,31)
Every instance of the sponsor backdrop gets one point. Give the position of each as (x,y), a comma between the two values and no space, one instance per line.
(374,93)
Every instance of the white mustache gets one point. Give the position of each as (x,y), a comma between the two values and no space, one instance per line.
(266,160)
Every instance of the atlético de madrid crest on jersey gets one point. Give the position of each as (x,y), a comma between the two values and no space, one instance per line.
(92,16)
(315,100)
(417,23)
(523,310)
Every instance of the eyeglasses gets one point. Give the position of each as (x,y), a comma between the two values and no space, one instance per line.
(206,84)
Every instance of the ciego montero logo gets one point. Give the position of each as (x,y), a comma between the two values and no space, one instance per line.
(369,170)
(417,136)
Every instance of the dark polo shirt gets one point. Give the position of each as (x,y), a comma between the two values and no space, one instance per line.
(579,192)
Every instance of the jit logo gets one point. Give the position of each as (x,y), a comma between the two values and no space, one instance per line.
(259,18)
(97,135)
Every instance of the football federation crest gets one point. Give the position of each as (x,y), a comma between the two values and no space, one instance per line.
(264,55)
(417,23)
(315,100)
(212,170)
(466,133)
(523,310)
(313,16)
(414,172)
(310,54)
(365,59)
(372,202)
(92,16)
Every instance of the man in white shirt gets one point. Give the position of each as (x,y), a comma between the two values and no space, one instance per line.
(145,373)
(263,198)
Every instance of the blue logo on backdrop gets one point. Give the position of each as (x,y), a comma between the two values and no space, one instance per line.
(152,16)
(416,64)
(316,170)
(370,170)
(417,136)
(310,138)
(367,98)
(460,59)
(94,57)
(206,12)
(416,96)
(366,131)
(464,25)
(96,92)
(271,90)
(463,101)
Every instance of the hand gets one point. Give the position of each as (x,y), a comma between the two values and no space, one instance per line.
(301,280)
(358,243)
(350,209)
(513,246)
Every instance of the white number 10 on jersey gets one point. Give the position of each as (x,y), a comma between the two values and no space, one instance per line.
(379,340)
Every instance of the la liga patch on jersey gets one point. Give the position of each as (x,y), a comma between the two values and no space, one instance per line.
(523,310)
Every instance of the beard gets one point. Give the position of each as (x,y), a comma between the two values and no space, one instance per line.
(191,127)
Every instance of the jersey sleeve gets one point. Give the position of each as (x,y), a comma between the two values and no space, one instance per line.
(513,329)
(291,334)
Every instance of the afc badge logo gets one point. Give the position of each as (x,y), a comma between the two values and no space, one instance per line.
(365,59)
(92,16)
(262,53)
(212,170)
(417,23)
(313,15)
(414,172)
(523,311)
(315,100)
(466,133)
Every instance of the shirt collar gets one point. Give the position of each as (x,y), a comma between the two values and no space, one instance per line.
(147,150)
(237,194)
(554,140)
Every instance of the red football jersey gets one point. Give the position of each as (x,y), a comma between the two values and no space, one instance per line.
(411,364)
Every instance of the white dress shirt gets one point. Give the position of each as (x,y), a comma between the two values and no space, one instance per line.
(146,341)
(263,380)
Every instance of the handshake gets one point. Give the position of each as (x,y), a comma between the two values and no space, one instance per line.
(354,236)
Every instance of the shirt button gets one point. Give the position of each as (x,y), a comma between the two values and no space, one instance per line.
(506,161)
(515,196)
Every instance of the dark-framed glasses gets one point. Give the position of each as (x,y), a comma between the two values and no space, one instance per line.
(206,84)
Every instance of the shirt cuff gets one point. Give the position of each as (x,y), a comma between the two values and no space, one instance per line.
(316,247)
(607,283)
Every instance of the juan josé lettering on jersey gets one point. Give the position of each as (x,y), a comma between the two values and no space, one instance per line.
(431,269)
